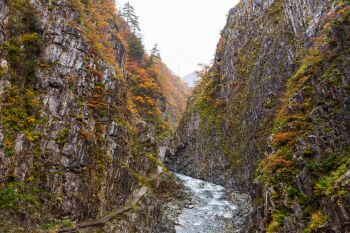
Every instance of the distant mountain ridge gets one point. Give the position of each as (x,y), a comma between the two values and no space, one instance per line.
(191,79)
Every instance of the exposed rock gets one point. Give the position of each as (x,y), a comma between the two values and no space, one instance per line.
(69,148)
(277,95)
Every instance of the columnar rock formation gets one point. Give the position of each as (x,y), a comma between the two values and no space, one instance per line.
(74,143)
(271,116)
(83,110)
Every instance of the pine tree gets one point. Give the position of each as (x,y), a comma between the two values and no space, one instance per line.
(134,24)
(136,49)
(128,12)
(155,53)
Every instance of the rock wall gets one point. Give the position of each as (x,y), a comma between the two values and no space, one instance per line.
(256,55)
(233,121)
(71,147)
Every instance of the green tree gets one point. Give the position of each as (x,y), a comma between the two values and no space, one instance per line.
(128,12)
(155,53)
(136,48)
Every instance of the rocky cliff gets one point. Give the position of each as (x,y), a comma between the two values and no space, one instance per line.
(271,115)
(75,145)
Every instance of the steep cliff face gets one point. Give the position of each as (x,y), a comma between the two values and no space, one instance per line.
(73,144)
(277,95)
(237,101)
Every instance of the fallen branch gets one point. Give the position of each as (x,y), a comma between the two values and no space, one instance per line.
(136,198)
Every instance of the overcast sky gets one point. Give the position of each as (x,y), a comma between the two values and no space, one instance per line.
(186,31)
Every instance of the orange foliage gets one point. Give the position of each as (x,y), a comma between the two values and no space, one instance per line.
(151,85)
(175,91)
(145,90)
(221,45)
(139,99)
(277,164)
(87,135)
(99,19)
(219,103)
(283,138)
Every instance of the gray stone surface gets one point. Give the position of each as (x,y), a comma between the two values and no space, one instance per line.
(261,48)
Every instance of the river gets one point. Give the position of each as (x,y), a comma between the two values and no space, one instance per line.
(213,209)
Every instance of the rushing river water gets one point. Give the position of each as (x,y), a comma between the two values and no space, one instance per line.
(212,210)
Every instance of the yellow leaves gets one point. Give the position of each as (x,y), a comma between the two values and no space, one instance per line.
(150,102)
(145,101)
(131,107)
(31,119)
(317,220)
(31,98)
(9,143)
(31,178)
(3,71)
(97,18)
(336,182)
(273,227)
(106,10)
(146,90)
(314,57)
(19,115)
(14,104)
(31,136)
(28,38)
(149,112)
(139,99)
(132,110)
(149,84)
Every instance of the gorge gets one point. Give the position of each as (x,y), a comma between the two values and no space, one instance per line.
(95,135)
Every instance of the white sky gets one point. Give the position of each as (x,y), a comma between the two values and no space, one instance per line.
(186,31)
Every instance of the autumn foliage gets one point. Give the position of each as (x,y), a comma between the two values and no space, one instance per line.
(156,95)
(159,97)
(283,138)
